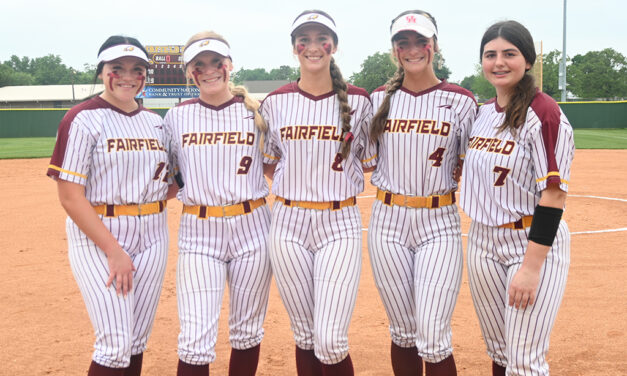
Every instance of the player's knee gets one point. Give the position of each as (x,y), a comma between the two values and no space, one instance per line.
(331,350)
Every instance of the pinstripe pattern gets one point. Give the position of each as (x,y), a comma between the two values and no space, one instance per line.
(316,254)
(516,339)
(121,159)
(304,170)
(84,155)
(504,175)
(316,260)
(416,257)
(416,254)
(214,252)
(210,170)
(403,164)
(528,162)
(121,324)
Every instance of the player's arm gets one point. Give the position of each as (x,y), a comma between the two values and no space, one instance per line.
(73,200)
(268,170)
(524,285)
(172,191)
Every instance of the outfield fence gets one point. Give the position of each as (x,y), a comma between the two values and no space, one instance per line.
(44,122)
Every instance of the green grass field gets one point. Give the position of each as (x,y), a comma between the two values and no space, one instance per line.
(41,147)
(35,147)
(601,138)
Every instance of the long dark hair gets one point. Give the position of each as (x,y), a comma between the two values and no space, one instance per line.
(114,41)
(523,93)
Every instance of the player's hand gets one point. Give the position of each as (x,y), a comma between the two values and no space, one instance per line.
(121,270)
(523,288)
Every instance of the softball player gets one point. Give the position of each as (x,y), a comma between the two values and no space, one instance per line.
(110,163)
(414,238)
(514,189)
(318,143)
(225,222)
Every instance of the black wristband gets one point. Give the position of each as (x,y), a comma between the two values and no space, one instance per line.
(179,180)
(545,224)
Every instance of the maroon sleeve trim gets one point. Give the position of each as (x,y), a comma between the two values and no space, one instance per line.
(548,113)
(63,133)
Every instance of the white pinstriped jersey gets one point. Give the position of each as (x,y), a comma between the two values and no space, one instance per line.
(304,138)
(504,175)
(119,157)
(216,150)
(424,135)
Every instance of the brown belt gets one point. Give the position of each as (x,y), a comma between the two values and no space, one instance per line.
(203,212)
(520,224)
(324,205)
(111,211)
(431,202)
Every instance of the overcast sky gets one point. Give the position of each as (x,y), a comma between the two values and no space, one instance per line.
(258,31)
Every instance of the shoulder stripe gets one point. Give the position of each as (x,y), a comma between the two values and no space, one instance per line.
(67,171)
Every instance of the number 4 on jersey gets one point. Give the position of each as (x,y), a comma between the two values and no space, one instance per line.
(437,156)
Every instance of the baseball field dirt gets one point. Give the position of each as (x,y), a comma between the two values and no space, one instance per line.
(44,328)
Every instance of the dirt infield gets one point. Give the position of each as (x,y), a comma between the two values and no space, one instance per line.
(44,328)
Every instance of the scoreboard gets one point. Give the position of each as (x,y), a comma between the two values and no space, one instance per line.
(165,77)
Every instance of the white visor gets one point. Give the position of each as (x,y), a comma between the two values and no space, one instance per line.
(416,22)
(314,18)
(121,50)
(202,45)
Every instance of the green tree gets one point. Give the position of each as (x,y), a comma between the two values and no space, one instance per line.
(49,70)
(441,70)
(22,65)
(9,77)
(550,74)
(467,82)
(479,85)
(284,72)
(249,75)
(598,74)
(375,71)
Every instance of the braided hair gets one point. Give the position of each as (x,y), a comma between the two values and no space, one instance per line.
(340,88)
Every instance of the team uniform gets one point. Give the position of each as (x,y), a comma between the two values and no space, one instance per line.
(414,237)
(122,161)
(315,236)
(224,226)
(504,175)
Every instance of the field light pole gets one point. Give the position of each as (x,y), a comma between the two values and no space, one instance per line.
(562,70)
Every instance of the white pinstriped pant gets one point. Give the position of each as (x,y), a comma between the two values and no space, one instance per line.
(416,257)
(121,324)
(316,260)
(515,338)
(212,252)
